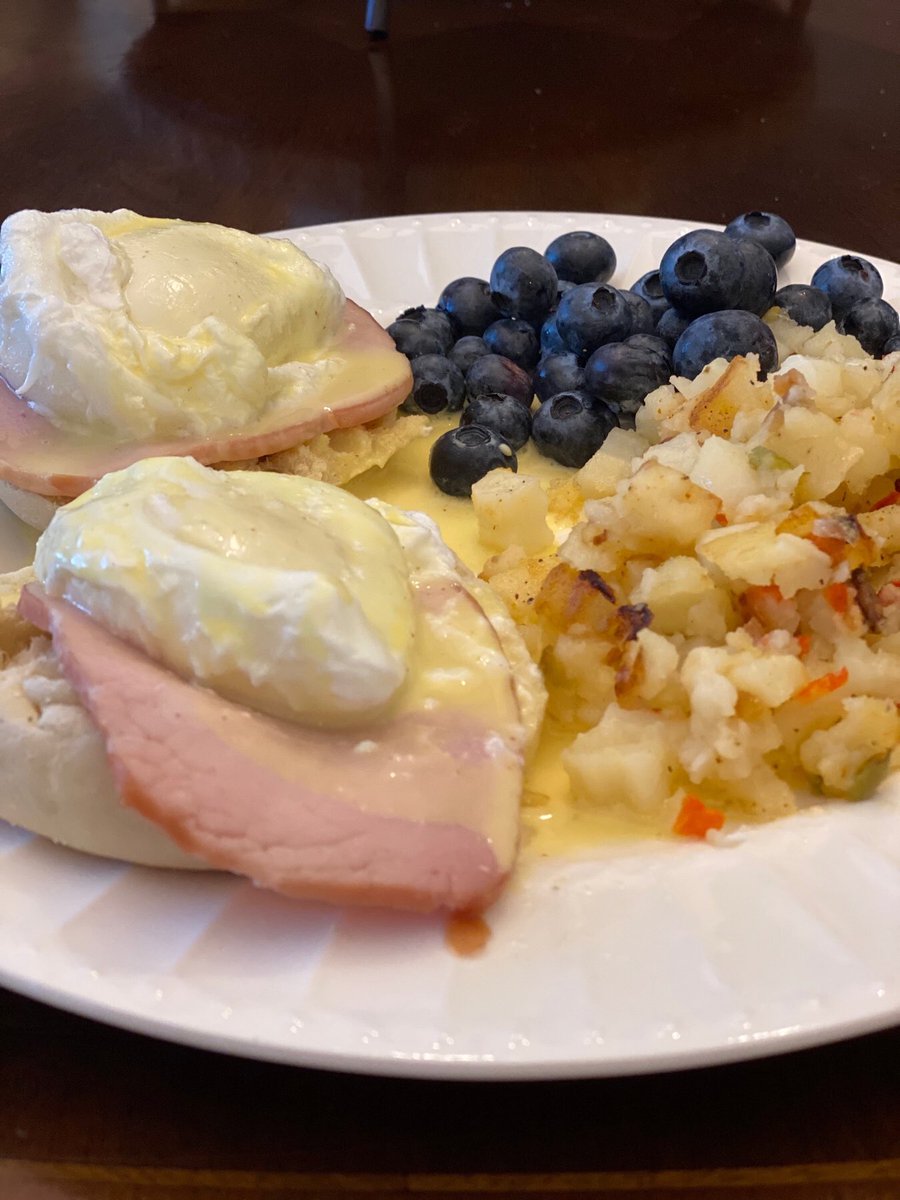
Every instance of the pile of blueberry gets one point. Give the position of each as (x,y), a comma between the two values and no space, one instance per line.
(551,326)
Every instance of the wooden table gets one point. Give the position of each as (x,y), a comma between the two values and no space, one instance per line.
(272,115)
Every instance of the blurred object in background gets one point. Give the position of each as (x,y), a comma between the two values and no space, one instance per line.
(377,18)
(174,7)
(377,12)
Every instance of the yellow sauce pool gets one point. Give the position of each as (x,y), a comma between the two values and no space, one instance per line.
(552,823)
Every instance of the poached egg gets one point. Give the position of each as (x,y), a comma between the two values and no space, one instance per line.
(137,327)
(282,593)
(287,595)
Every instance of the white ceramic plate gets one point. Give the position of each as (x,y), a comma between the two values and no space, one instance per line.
(641,958)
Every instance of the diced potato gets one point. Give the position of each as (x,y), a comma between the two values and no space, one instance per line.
(828,343)
(565,502)
(591,545)
(875,672)
(517,579)
(770,678)
(861,380)
(728,749)
(511,510)
(886,403)
(756,554)
(711,617)
(824,378)
(684,599)
(662,412)
(580,681)
(869,729)
(721,744)
(762,795)
(774,497)
(678,452)
(713,696)
(737,389)
(626,444)
(659,665)
(629,758)
(723,469)
(601,475)
(631,571)
(790,337)
(860,427)
(570,598)
(812,440)
(797,719)
(693,389)
(883,526)
(663,512)
(802,519)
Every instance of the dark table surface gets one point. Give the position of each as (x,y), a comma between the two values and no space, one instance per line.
(266,115)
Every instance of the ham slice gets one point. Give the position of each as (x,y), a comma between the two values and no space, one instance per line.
(418,811)
(374,380)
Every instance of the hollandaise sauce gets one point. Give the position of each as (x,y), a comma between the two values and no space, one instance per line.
(552,822)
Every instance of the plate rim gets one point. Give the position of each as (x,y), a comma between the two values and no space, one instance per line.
(554,214)
(460,1069)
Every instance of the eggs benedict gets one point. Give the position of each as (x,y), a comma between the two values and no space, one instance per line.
(267,675)
(124,337)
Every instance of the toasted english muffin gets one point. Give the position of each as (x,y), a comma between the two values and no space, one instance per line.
(335,457)
(55,779)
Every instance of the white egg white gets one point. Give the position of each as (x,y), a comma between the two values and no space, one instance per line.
(129,327)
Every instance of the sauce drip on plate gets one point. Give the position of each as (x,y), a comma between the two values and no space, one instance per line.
(467,933)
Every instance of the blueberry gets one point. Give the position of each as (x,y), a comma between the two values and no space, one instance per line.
(514,339)
(503,415)
(769,231)
(466,350)
(460,457)
(671,325)
(494,373)
(557,373)
(724,335)
(650,289)
(847,280)
(641,312)
(562,286)
(592,315)
(435,320)
(702,272)
(570,427)
(523,284)
(651,343)
(467,301)
(872,323)
(804,304)
(759,278)
(622,375)
(892,345)
(412,338)
(438,385)
(551,341)
(582,257)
